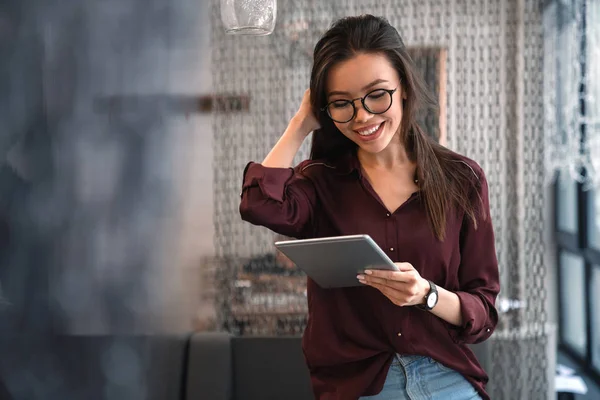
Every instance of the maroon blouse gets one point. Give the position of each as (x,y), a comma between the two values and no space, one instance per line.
(353,333)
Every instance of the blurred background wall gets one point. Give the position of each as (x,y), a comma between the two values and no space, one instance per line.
(107,162)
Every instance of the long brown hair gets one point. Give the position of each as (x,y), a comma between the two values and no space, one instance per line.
(442,181)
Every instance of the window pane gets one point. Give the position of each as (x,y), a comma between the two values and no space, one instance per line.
(595,299)
(566,204)
(573,301)
(592,110)
(593,218)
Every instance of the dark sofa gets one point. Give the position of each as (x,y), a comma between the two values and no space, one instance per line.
(257,368)
(211,366)
(102,367)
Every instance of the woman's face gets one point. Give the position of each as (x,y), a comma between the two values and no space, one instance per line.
(355,78)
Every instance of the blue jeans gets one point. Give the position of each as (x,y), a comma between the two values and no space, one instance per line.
(422,378)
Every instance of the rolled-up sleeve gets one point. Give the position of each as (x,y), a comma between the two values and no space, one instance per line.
(281,199)
(478,273)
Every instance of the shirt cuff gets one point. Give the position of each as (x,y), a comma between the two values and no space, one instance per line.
(472,330)
(271,181)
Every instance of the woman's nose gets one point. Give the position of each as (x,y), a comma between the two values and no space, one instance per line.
(362,115)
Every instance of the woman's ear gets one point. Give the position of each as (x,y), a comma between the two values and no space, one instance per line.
(403,92)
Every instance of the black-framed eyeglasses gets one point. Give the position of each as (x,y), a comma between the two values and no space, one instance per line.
(376,101)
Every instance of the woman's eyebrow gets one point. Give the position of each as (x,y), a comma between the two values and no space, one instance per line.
(370,85)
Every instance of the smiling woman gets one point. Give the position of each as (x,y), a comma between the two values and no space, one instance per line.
(373,170)
(348,63)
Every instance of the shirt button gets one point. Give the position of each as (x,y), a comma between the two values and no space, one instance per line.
(399,333)
(387,215)
(391,249)
(488,329)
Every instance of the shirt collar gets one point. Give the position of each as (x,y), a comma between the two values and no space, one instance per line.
(348,164)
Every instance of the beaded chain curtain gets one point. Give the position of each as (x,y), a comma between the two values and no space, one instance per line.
(493,96)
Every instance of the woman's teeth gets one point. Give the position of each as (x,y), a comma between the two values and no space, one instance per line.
(370,131)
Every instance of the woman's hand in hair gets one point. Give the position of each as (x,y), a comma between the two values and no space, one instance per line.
(301,125)
(305,117)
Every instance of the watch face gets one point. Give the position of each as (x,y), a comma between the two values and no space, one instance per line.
(431,300)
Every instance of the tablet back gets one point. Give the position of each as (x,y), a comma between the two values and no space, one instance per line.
(335,261)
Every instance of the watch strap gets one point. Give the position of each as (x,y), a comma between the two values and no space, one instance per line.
(432,289)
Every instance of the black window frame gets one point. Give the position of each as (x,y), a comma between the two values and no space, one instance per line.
(579,245)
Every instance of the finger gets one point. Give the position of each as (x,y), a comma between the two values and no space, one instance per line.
(393,295)
(379,281)
(404,266)
(380,273)
(399,276)
(409,288)
(406,289)
(402,287)
(399,297)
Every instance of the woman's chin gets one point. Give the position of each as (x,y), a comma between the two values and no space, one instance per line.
(376,146)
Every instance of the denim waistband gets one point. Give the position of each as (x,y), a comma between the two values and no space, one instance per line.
(405,359)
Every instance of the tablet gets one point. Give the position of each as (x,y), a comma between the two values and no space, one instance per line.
(334,262)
